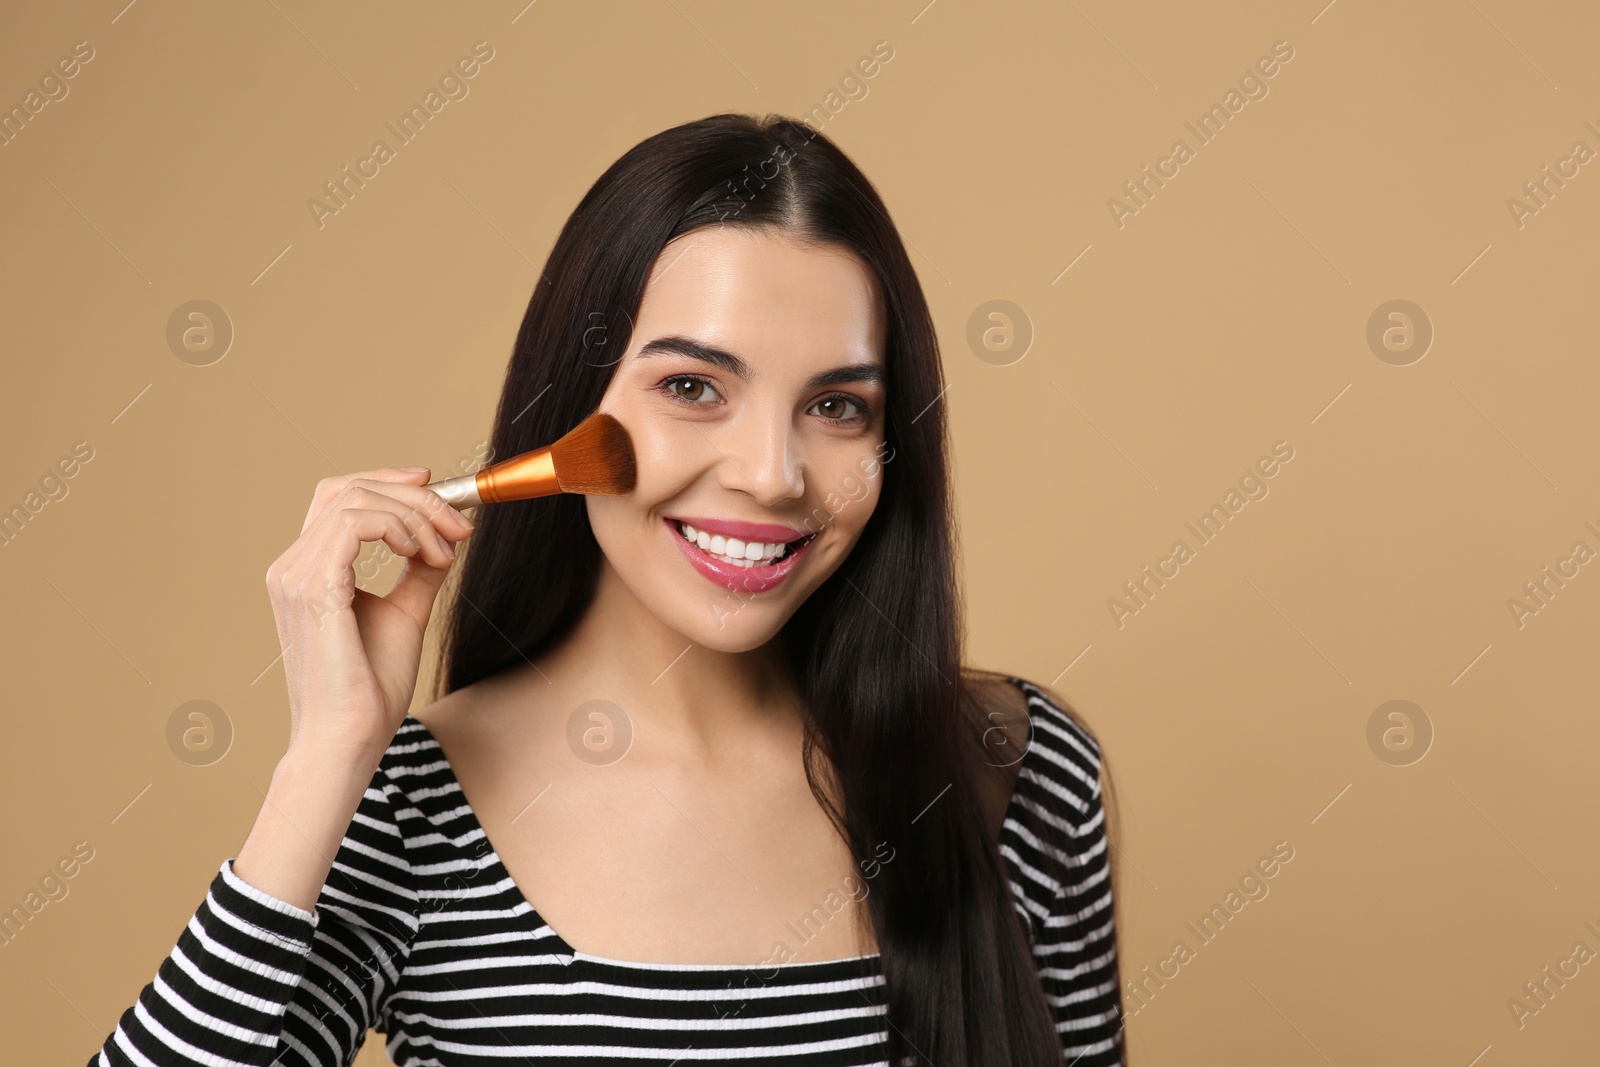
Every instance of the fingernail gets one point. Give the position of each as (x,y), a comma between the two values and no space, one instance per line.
(414,469)
(464,520)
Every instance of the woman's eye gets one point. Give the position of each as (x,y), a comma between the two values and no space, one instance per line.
(693,389)
(834,409)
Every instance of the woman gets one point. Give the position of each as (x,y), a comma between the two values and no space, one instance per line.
(744,800)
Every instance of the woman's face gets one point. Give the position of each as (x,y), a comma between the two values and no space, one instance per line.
(753,388)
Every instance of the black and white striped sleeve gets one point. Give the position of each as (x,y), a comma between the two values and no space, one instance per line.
(1076,943)
(254,980)
(1079,967)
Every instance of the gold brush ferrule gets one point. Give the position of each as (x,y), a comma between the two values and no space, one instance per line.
(519,478)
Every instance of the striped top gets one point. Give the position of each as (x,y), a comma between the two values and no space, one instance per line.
(420,933)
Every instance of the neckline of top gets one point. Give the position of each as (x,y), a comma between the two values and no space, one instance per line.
(500,872)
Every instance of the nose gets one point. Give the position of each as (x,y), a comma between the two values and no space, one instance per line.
(762,457)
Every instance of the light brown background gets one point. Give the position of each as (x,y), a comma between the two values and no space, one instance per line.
(1227,315)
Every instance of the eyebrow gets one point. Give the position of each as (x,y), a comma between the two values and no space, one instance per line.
(690,348)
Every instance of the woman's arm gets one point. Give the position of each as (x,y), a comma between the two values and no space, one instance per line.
(300,937)
(1060,847)
(258,979)
(1077,950)
(310,801)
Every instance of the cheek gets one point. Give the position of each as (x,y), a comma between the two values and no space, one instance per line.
(669,454)
(850,498)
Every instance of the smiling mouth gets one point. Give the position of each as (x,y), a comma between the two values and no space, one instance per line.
(737,553)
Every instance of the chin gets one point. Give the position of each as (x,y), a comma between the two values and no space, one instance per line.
(718,619)
(732,635)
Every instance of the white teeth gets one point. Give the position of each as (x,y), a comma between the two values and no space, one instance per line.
(731,549)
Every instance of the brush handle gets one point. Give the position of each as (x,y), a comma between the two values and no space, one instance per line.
(460,492)
(523,477)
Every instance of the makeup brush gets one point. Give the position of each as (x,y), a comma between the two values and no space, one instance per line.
(594,458)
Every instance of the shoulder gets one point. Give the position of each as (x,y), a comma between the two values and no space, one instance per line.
(413,767)
(481,741)
(1038,745)
(446,718)
(1061,732)
(1015,710)
(487,712)
(467,723)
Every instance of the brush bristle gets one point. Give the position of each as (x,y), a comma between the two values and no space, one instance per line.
(595,458)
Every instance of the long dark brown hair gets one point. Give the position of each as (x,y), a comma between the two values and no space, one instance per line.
(875,649)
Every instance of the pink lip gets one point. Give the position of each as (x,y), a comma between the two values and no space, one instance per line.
(733,577)
(745,531)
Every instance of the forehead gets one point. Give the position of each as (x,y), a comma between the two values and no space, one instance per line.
(765,296)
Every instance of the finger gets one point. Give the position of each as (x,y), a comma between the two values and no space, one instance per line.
(448,519)
(451,524)
(327,489)
(424,529)
(412,529)
(336,542)
(417,518)
(422,509)
(317,586)
(417,590)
